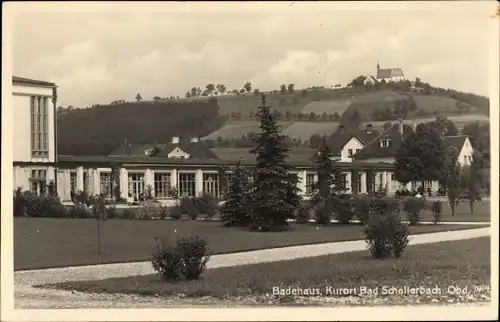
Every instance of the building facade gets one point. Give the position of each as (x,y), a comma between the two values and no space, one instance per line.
(35,154)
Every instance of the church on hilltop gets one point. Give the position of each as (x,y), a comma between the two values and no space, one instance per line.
(389,74)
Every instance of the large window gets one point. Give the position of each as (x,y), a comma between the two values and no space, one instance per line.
(310,182)
(135,185)
(38,181)
(187,184)
(105,184)
(162,184)
(39,107)
(211,184)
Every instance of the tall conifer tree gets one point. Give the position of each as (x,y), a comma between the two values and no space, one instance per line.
(275,191)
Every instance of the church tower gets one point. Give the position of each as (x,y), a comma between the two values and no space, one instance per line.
(378,66)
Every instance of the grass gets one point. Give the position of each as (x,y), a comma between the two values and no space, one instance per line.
(52,242)
(304,130)
(482,211)
(458,263)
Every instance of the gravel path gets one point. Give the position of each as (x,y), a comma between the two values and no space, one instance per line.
(27,296)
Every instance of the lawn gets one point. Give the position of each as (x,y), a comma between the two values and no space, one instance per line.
(482,211)
(464,263)
(51,242)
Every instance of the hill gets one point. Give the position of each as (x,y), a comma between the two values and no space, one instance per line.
(98,130)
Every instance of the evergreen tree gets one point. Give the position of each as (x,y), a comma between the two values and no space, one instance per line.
(234,211)
(330,188)
(275,191)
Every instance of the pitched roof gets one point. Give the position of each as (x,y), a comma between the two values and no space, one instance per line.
(197,150)
(390,72)
(374,150)
(27,81)
(338,140)
(456,141)
(295,154)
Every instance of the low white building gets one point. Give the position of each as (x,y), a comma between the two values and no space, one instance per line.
(34,106)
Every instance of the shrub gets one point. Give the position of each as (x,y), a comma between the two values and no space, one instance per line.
(344,212)
(112,212)
(166,260)
(194,254)
(175,212)
(186,256)
(44,206)
(78,212)
(189,207)
(128,213)
(206,204)
(436,208)
(303,215)
(414,207)
(362,208)
(162,212)
(386,234)
(19,203)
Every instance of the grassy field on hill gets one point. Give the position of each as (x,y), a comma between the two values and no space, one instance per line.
(304,130)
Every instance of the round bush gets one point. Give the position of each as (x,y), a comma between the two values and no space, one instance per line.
(386,234)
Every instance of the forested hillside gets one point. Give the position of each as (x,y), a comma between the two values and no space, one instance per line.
(97,130)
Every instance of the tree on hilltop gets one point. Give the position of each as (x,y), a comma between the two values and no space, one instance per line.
(283,89)
(138,97)
(248,86)
(210,88)
(291,88)
(275,191)
(221,88)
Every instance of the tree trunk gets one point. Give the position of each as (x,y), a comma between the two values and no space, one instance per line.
(98,236)
(452,205)
(471,204)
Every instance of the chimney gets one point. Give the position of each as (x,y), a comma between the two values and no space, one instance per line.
(368,129)
(175,139)
(400,120)
(194,139)
(342,129)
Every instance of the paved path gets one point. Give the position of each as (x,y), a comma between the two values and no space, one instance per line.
(27,296)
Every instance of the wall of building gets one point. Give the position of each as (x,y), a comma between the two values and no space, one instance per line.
(22,122)
(353,144)
(466,153)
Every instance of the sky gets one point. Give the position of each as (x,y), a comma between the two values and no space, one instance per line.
(97,54)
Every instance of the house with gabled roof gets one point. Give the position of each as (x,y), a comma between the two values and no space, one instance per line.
(370,80)
(383,148)
(178,148)
(463,148)
(344,144)
(390,74)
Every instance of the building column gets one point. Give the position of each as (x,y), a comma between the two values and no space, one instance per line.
(384,181)
(173,179)
(96,181)
(67,185)
(364,187)
(123,183)
(368,181)
(354,181)
(79,179)
(51,176)
(348,182)
(302,181)
(199,182)
(149,179)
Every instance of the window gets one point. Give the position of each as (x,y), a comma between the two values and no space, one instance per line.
(162,185)
(39,107)
(310,180)
(357,150)
(187,184)
(135,185)
(465,159)
(211,184)
(385,143)
(349,152)
(38,181)
(344,180)
(72,181)
(105,184)
(393,177)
